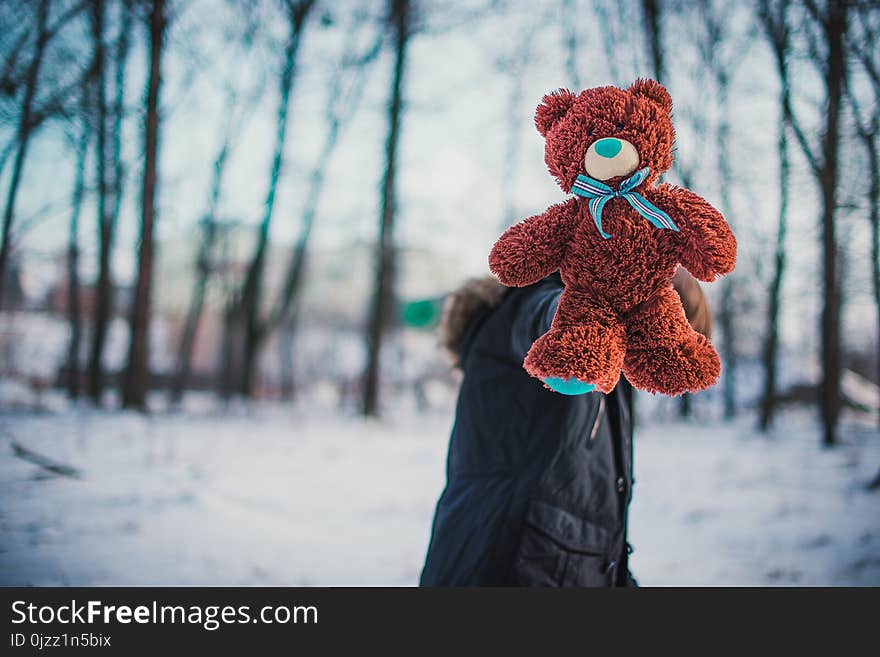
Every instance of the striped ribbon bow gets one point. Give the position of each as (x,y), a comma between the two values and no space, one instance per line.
(599,194)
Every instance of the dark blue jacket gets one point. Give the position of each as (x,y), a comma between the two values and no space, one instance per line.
(538,483)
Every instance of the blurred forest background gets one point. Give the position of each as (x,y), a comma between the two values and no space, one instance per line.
(259,203)
(260,197)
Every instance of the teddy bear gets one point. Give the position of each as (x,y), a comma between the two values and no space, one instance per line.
(617,244)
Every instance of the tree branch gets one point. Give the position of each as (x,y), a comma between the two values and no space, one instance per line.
(64,18)
(777,33)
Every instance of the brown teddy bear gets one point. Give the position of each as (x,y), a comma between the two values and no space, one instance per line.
(616,244)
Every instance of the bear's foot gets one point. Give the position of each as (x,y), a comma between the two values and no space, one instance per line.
(568,386)
(570,358)
(674,368)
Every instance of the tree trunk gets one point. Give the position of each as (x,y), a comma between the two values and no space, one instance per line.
(286,310)
(835,71)
(517,64)
(728,349)
(285,353)
(25,129)
(73,305)
(203,271)
(104,286)
(653,30)
(569,35)
(383,287)
(777,31)
(769,352)
(137,371)
(870,141)
(685,406)
(727,322)
(230,352)
(653,26)
(340,108)
(652,16)
(194,313)
(832,25)
(6,153)
(121,57)
(110,179)
(248,303)
(720,70)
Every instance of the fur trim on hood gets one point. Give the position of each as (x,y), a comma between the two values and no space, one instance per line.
(462,307)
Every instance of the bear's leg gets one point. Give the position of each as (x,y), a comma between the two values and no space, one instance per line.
(582,351)
(663,353)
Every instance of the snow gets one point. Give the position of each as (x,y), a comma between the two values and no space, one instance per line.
(725,506)
(268,495)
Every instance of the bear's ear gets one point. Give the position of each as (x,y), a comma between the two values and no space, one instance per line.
(653,91)
(552,108)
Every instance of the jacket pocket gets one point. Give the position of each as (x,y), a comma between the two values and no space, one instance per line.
(558,548)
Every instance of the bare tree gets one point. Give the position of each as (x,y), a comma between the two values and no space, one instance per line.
(244,325)
(137,371)
(203,258)
(774,19)
(515,64)
(381,306)
(73,289)
(57,92)
(652,12)
(109,172)
(569,25)
(120,60)
(8,76)
(343,99)
(868,131)
(6,153)
(830,22)
(614,20)
(652,20)
(720,62)
(103,285)
(24,132)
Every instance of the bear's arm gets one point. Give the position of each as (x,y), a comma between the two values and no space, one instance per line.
(533,248)
(708,247)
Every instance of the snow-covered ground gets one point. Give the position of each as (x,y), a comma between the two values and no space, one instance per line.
(274,496)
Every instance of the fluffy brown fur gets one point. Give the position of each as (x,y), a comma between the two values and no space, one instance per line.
(619,311)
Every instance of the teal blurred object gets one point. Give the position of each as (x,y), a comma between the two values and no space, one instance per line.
(423,313)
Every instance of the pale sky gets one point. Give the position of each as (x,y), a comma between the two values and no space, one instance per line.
(452,191)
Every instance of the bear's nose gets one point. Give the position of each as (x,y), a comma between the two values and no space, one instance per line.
(608,147)
(610,157)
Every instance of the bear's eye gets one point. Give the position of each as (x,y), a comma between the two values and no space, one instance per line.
(618,126)
(589,132)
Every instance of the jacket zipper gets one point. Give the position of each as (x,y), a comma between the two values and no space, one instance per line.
(595,428)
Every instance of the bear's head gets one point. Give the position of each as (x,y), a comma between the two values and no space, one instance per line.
(607,133)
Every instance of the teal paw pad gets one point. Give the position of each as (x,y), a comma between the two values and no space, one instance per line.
(569,386)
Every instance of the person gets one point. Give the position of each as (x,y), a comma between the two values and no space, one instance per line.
(538,483)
